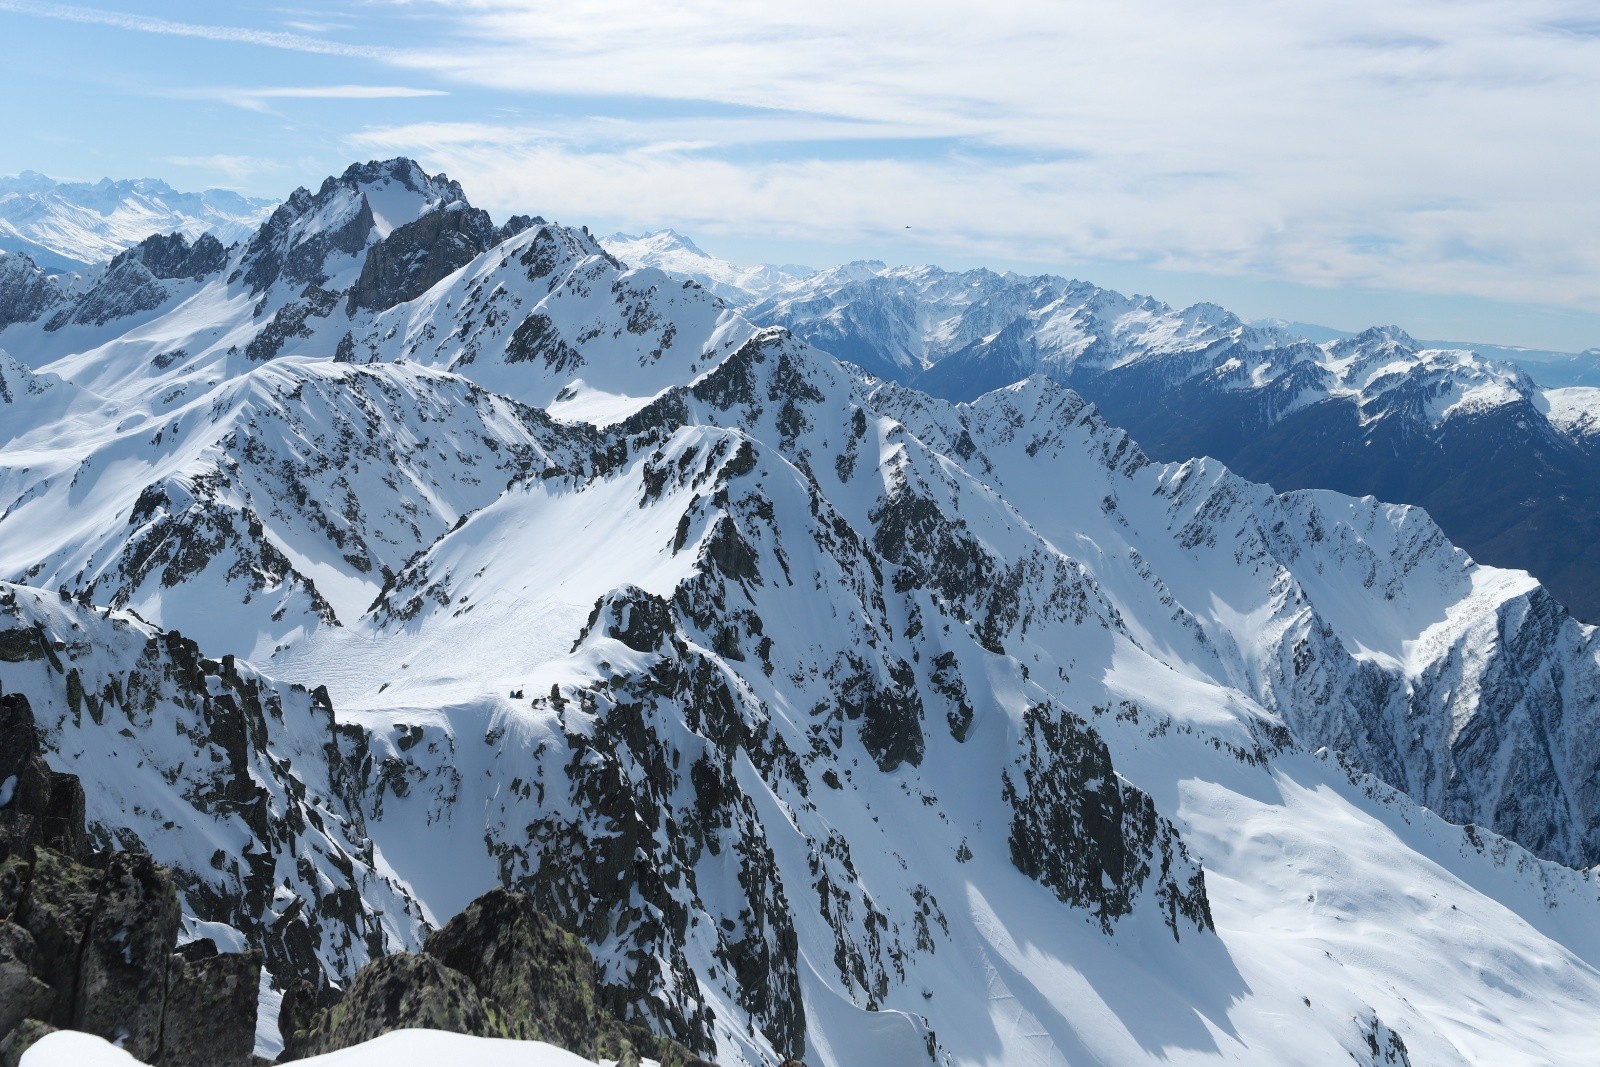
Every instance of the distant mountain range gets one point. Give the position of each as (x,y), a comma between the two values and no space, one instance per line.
(393,553)
(745,287)
(671,251)
(1508,468)
(1551,369)
(67,226)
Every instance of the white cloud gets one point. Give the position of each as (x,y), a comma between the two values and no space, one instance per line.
(1437,146)
(237,168)
(256,98)
(293,42)
(1441,145)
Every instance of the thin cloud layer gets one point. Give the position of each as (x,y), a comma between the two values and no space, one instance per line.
(236,168)
(258,98)
(293,42)
(1437,146)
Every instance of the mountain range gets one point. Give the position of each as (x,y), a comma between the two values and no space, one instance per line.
(1505,466)
(843,674)
(66,226)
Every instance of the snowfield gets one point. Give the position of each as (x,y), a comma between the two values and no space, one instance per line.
(403,1048)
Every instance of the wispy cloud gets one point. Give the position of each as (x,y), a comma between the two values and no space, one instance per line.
(256,98)
(1280,141)
(237,168)
(1440,146)
(294,42)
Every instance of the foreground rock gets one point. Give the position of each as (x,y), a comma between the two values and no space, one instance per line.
(88,939)
(499,969)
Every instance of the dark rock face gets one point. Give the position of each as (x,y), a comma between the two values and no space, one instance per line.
(1091,837)
(122,980)
(638,619)
(26,783)
(22,994)
(57,910)
(86,940)
(539,975)
(411,259)
(1379,1046)
(539,338)
(127,289)
(278,252)
(172,256)
(26,292)
(290,321)
(133,282)
(395,993)
(208,993)
(499,969)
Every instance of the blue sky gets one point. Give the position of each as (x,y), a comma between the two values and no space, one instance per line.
(1430,164)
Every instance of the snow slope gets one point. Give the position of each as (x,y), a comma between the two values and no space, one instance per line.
(1128,628)
(1575,411)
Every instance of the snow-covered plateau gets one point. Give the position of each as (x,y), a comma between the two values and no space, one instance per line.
(390,555)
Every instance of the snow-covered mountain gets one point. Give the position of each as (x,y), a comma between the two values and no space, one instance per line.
(67,226)
(1552,369)
(840,720)
(1373,413)
(674,253)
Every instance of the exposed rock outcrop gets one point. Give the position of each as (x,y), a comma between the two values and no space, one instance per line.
(407,262)
(87,939)
(499,969)
(26,292)
(1094,839)
(255,763)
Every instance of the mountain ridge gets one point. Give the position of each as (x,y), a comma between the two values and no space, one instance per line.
(1370,413)
(69,226)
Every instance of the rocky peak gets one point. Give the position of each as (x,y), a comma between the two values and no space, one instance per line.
(406,173)
(407,262)
(1391,338)
(305,237)
(175,256)
(27,293)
